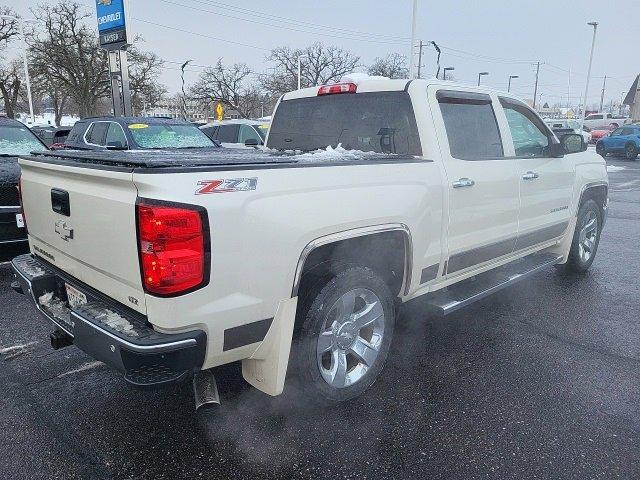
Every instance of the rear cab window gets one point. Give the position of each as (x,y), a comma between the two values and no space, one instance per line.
(382,122)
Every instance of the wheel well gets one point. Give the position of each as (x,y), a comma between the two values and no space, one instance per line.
(385,253)
(598,193)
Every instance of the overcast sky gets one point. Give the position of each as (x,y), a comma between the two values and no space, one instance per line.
(503,37)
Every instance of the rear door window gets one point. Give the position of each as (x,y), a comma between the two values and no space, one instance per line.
(382,122)
(247,132)
(97,133)
(228,133)
(471,125)
(115,136)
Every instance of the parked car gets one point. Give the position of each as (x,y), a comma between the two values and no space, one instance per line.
(298,261)
(622,141)
(136,133)
(237,133)
(562,126)
(605,120)
(599,133)
(15,139)
(52,137)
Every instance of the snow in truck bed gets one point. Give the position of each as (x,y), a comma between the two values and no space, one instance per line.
(218,157)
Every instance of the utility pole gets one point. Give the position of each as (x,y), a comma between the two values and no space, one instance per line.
(604,84)
(420,59)
(412,63)
(586,87)
(535,89)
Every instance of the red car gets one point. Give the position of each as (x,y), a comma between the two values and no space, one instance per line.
(598,134)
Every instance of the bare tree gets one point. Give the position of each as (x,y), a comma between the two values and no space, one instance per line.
(320,64)
(144,70)
(69,50)
(11,86)
(8,27)
(393,65)
(229,85)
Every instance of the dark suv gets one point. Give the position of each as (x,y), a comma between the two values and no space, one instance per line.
(136,133)
(15,139)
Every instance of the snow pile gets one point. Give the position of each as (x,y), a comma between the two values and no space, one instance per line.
(117,322)
(55,306)
(337,154)
(614,168)
(357,77)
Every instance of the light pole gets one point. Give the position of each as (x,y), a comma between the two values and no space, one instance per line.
(510,77)
(481,74)
(412,63)
(300,57)
(24,60)
(445,70)
(586,87)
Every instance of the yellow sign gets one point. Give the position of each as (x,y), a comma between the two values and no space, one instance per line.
(219,111)
(135,126)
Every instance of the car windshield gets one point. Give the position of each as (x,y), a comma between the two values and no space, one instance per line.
(17,140)
(158,136)
(262,129)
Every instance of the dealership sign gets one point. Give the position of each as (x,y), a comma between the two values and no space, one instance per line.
(112,26)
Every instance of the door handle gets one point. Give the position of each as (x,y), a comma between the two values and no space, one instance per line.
(463,182)
(530,176)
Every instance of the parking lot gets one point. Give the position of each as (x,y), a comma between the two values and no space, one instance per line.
(538,381)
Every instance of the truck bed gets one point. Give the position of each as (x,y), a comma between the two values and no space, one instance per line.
(227,159)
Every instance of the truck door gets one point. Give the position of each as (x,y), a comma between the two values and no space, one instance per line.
(546,182)
(482,184)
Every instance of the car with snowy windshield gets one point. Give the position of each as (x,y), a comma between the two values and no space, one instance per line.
(296,259)
(136,133)
(15,139)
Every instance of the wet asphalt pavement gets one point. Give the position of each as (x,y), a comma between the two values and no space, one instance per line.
(539,381)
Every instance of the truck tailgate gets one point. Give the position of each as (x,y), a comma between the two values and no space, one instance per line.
(92,235)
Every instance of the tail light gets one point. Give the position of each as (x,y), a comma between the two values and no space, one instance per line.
(337,88)
(24,217)
(173,243)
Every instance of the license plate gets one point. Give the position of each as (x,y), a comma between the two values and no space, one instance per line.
(19,220)
(75,296)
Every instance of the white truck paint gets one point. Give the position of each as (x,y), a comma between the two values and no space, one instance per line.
(458,217)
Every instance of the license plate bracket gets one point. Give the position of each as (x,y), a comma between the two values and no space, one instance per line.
(19,220)
(74,296)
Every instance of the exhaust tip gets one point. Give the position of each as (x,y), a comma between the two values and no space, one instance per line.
(205,389)
(60,339)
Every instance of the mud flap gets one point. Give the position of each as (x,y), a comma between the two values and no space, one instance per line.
(266,369)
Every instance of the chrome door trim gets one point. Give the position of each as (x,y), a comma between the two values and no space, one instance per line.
(354,233)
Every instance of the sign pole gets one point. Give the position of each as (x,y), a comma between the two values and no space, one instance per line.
(126,92)
(114,72)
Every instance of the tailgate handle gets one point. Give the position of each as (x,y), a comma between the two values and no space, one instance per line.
(60,202)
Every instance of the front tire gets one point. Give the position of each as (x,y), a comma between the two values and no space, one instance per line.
(346,332)
(586,237)
(630,151)
(600,150)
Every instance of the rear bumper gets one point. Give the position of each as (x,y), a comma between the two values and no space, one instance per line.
(108,331)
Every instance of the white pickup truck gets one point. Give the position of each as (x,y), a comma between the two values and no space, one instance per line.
(600,120)
(296,259)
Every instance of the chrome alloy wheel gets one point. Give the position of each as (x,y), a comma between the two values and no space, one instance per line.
(350,338)
(588,236)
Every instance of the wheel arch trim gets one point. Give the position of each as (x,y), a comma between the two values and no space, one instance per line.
(355,233)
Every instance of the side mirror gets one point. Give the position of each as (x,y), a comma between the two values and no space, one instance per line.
(252,142)
(573,143)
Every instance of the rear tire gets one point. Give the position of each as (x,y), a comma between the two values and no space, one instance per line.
(345,336)
(630,151)
(586,237)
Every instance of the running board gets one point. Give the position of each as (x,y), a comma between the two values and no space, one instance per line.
(459,295)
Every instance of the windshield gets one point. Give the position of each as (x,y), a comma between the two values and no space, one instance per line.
(16,140)
(157,136)
(262,130)
(381,122)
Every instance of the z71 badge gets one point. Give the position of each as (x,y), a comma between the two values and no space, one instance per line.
(226,185)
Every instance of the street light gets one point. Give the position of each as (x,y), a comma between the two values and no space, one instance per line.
(446,69)
(24,59)
(299,67)
(480,75)
(510,77)
(586,87)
